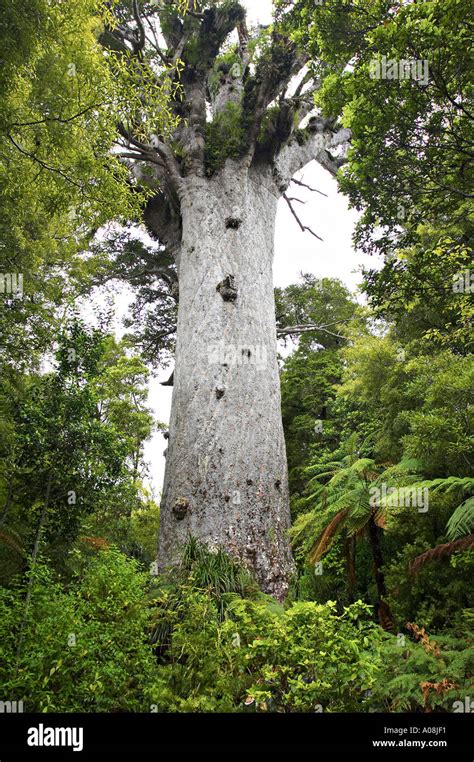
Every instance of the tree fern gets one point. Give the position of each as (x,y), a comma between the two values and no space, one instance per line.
(12,539)
(461,522)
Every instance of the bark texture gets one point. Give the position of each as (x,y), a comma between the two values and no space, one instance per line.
(226,475)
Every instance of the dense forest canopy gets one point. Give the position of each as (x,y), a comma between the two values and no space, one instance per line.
(317,518)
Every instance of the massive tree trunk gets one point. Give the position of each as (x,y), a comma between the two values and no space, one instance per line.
(226,475)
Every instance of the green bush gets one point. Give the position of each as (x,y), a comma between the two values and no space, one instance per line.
(226,647)
(83,649)
(427,675)
(208,641)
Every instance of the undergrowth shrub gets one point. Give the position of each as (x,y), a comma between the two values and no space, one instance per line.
(80,649)
(203,638)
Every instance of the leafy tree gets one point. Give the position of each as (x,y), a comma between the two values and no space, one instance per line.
(73,442)
(84,649)
(321,316)
(426,293)
(62,101)
(411,155)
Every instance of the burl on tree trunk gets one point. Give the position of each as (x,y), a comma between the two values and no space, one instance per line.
(216,180)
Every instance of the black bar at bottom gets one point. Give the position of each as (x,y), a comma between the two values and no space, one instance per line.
(31,736)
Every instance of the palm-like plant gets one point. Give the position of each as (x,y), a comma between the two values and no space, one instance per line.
(460,526)
(349,496)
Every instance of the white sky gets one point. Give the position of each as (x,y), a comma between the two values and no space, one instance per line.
(295,252)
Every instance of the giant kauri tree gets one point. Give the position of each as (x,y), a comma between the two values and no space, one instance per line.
(246,124)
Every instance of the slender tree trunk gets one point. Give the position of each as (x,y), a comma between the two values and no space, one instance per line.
(226,475)
(377,557)
(350,549)
(34,558)
(8,504)
(383,609)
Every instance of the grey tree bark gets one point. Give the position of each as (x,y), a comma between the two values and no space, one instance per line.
(226,475)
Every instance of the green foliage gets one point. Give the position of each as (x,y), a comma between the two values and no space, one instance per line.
(87,416)
(151,271)
(422,290)
(312,372)
(462,520)
(86,648)
(56,132)
(83,649)
(429,675)
(399,399)
(308,391)
(410,146)
(224,137)
(221,651)
(61,99)
(222,66)
(438,593)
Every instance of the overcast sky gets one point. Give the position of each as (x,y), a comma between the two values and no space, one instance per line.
(295,252)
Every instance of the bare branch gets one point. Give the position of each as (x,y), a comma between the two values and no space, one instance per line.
(169,381)
(140,157)
(304,185)
(159,148)
(154,43)
(299,330)
(49,119)
(140,43)
(303,227)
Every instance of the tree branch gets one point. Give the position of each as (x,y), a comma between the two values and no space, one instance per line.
(303,227)
(48,119)
(140,43)
(271,78)
(313,143)
(299,330)
(164,152)
(304,185)
(44,165)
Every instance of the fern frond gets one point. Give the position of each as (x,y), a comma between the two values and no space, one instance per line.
(461,522)
(439,551)
(12,539)
(324,542)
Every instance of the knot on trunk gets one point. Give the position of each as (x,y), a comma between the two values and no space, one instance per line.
(228,289)
(180,508)
(319,124)
(220,391)
(233,223)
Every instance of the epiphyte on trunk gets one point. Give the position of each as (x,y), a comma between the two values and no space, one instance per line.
(228,289)
(180,508)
